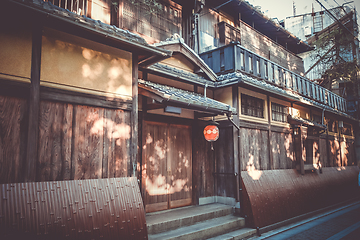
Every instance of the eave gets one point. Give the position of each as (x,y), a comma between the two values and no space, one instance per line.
(60,19)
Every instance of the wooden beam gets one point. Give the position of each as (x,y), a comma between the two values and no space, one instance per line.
(148,94)
(134,118)
(60,95)
(34,104)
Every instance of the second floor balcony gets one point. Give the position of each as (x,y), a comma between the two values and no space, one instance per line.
(235,58)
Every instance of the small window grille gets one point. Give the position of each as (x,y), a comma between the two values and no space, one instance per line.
(279,112)
(252,106)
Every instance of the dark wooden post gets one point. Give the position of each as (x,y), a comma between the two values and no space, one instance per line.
(134,117)
(236,144)
(271,159)
(303,136)
(34,103)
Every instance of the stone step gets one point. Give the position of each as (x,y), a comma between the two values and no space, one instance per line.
(243,233)
(202,230)
(175,218)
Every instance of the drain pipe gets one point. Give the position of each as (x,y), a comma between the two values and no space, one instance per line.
(238,176)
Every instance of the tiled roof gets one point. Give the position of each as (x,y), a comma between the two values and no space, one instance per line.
(189,99)
(85,22)
(237,77)
(184,75)
(307,122)
(176,39)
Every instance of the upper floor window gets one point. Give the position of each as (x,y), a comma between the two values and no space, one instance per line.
(252,106)
(317,119)
(75,6)
(279,112)
(158,22)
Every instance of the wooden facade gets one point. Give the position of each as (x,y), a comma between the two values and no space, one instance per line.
(86,103)
(68,105)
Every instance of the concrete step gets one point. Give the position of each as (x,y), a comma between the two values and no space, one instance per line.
(243,233)
(202,230)
(175,218)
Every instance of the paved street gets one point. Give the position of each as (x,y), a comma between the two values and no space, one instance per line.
(342,223)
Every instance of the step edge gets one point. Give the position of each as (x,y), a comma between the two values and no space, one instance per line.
(236,224)
(186,221)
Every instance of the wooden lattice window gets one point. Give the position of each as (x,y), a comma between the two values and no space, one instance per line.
(252,106)
(75,6)
(279,112)
(159,23)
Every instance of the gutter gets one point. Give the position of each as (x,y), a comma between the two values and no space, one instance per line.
(239,193)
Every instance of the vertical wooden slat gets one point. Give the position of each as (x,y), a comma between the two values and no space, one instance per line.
(12,115)
(66,141)
(34,102)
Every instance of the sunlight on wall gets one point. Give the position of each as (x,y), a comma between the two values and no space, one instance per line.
(160,151)
(100,11)
(156,185)
(71,61)
(253,173)
(288,141)
(178,186)
(114,130)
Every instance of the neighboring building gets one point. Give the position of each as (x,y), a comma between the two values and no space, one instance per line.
(306,25)
(104,103)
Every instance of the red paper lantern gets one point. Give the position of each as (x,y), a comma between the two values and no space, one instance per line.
(211,133)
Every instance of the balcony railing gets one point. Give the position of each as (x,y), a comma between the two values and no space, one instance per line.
(75,6)
(233,57)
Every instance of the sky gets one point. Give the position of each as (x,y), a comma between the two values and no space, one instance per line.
(284,8)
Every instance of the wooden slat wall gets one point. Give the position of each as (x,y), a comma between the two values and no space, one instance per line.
(334,151)
(225,163)
(203,165)
(13,129)
(323,153)
(55,138)
(254,150)
(282,150)
(75,141)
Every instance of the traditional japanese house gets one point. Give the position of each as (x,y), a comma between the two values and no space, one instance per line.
(104,103)
(68,114)
(294,137)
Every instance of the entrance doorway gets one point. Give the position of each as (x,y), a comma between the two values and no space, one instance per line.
(166,166)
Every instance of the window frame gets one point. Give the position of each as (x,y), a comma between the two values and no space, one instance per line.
(256,108)
(279,112)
